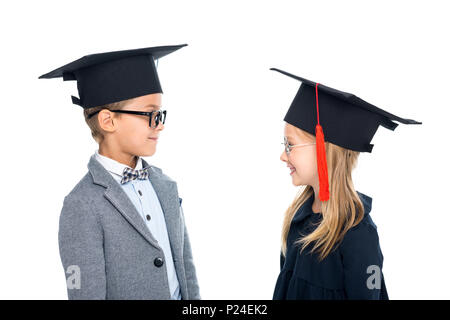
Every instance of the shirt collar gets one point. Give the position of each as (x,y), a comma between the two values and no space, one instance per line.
(114,166)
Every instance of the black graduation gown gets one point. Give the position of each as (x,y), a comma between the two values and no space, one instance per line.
(344,273)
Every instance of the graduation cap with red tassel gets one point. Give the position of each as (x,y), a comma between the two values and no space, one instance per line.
(347,121)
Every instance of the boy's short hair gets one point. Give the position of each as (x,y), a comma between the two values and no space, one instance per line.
(93,124)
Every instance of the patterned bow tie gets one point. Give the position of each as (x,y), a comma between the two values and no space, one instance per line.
(131,174)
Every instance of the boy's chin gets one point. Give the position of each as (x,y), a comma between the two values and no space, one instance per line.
(147,153)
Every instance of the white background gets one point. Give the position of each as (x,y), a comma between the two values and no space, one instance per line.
(224,128)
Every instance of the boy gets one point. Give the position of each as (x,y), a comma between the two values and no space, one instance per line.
(121,231)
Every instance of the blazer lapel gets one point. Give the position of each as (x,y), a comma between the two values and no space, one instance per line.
(167,193)
(119,199)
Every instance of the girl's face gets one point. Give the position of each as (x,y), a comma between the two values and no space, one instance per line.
(302,160)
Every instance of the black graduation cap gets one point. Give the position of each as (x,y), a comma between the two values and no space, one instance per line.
(347,120)
(109,77)
(343,119)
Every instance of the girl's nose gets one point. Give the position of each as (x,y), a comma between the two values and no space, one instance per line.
(283,156)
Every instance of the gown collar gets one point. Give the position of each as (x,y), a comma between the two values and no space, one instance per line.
(306,209)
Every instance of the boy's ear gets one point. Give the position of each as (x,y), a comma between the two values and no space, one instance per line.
(102,121)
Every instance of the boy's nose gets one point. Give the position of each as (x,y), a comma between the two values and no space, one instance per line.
(160,126)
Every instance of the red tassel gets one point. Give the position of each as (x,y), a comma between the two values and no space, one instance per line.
(324,193)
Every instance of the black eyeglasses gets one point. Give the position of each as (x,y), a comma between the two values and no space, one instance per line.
(155,117)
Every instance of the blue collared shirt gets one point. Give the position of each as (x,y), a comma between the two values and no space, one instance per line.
(144,198)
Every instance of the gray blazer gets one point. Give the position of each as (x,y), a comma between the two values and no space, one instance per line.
(106,249)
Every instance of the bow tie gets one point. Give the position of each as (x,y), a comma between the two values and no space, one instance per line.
(131,174)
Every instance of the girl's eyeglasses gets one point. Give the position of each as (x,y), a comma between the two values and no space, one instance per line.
(155,117)
(288,147)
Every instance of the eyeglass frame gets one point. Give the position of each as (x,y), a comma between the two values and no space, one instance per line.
(141,113)
(288,147)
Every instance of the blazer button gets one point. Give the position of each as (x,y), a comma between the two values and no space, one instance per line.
(140,193)
(158,262)
(148,217)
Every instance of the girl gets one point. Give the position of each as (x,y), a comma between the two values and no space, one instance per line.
(330,246)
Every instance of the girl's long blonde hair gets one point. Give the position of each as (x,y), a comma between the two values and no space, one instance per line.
(343,210)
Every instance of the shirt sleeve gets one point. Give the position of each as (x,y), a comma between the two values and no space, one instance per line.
(362,262)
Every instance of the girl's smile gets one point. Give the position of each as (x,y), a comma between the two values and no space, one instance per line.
(292,169)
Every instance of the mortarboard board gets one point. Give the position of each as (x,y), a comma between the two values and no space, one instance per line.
(345,120)
(109,77)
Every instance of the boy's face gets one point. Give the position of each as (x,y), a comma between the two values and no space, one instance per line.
(131,134)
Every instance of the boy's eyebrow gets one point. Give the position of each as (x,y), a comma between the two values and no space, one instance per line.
(152,106)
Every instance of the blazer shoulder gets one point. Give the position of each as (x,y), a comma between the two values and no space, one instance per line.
(84,191)
(79,202)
